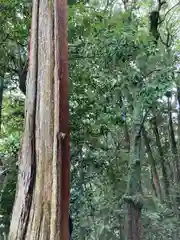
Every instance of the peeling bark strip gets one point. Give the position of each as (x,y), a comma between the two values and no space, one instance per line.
(42,198)
(61,62)
(26,175)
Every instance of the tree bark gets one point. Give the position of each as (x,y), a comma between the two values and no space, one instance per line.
(1,99)
(162,161)
(42,196)
(134,189)
(22,78)
(173,143)
(174,150)
(156,180)
(178,99)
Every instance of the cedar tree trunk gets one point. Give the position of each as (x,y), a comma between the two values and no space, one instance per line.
(42,197)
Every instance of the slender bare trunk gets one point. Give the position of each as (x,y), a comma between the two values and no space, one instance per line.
(173,142)
(1,99)
(178,98)
(174,150)
(162,160)
(156,181)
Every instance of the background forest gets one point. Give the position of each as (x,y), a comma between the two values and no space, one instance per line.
(124,74)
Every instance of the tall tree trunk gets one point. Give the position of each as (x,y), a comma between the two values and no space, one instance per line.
(22,78)
(178,99)
(42,196)
(174,153)
(173,143)
(134,190)
(1,99)
(153,185)
(156,181)
(161,154)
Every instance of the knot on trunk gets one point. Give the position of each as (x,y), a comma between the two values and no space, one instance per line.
(137,200)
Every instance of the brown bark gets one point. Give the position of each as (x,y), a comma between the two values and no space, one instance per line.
(134,222)
(174,150)
(1,99)
(173,144)
(22,78)
(152,182)
(61,57)
(162,160)
(126,136)
(42,197)
(178,98)
(152,162)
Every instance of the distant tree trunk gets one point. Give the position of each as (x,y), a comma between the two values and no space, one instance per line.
(1,99)
(156,181)
(42,197)
(153,185)
(134,190)
(22,78)
(173,143)
(174,151)
(178,99)
(161,154)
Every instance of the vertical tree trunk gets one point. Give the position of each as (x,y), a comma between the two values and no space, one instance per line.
(134,190)
(178,99)
(153,185)
(42,197)
(162,161)
(174,153)
(156,181)
(173,143)
(1,99)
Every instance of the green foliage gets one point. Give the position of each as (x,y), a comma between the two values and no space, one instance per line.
(9,148)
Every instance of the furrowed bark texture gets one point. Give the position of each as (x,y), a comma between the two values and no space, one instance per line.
(42,197)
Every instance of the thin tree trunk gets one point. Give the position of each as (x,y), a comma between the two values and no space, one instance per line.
(152,162)
(126,136)
(153,185)
(22,78)
(178,98)
(161,154)
(174,150)
(1,99)
(173,143)
(42,196)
